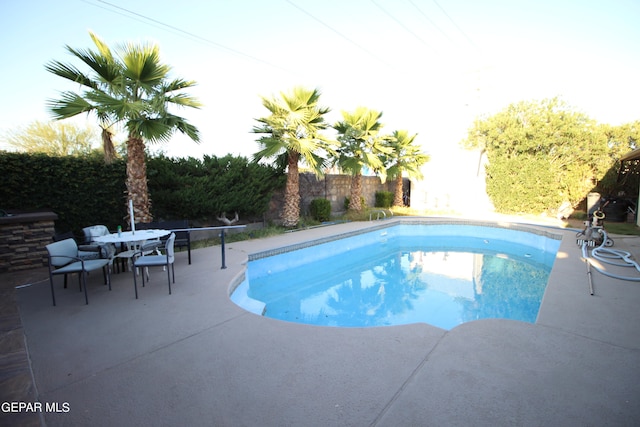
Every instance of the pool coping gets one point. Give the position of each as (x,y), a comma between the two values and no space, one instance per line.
(396,221)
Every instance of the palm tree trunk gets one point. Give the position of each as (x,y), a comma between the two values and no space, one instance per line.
(397,198)
(137,180)
(355,204)
(107,146)
(291,209)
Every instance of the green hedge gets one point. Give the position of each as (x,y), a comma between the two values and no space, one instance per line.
(84,191)
(200,189)
(81,190)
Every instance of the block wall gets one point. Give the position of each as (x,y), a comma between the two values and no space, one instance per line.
(23,240)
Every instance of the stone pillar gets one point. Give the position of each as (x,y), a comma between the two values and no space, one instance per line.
(23,238)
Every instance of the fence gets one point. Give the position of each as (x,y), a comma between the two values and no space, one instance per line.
(333,188)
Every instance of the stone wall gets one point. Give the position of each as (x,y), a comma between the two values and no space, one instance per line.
(23,238)
(333,188)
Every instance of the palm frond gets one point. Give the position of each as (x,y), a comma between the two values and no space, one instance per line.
(69,105)
(103,48)
(142,65)
(271,148)
(105,70)
(188,129)
(183,100)
(70,72)
(178,84)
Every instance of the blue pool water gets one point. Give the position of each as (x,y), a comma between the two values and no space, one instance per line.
(443,275)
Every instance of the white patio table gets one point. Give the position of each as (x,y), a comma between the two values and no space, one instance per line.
(138,236)
(134,240)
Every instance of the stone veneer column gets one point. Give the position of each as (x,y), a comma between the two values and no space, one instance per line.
(23,238)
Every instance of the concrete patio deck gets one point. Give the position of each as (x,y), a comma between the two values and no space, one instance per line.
(194,358)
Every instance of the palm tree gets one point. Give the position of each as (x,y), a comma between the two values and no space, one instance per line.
(132,89)
(362,145)
(405,157)
(292,133)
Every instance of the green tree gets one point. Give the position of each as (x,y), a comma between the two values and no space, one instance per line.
(53,138)
(362,145)
(541,155)
(291,133)
(130,87)
(620,140)
(405,157)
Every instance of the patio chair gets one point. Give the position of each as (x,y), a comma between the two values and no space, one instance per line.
(102,250)
(183,237)
(140,260)
(64,259)
(84,251)
(130,249)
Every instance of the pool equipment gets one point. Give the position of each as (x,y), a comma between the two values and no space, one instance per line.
(594,235)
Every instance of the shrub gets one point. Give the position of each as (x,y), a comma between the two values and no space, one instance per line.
(200,189)
(320,209)
(384,199)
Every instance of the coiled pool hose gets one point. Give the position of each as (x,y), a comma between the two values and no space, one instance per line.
(608,256)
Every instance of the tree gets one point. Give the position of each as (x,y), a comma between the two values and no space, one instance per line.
(541,154)
(290,134)
(405,157)
(362,145)
(129,88)
(54,139)
(621,176)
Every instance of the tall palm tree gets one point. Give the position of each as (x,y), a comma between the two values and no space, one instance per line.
(130,88)
(290,134)
(405,157)
(362,145)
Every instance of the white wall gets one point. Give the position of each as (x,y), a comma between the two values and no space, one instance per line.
(454,182)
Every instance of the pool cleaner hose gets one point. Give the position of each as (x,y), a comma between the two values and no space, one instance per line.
(609,256)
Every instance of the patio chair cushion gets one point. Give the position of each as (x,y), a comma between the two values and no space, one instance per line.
(151,261)
(77,266)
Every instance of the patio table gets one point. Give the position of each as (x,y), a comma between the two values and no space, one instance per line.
(133,239)
(138,236)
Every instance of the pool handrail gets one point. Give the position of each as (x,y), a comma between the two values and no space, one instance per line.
(223,228)
(381,211)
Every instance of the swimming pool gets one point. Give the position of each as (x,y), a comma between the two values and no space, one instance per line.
(441,274)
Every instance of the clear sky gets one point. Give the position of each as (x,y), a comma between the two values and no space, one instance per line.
(430,66)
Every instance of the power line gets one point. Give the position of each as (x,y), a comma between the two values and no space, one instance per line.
(401,24)
(430,20)
(183,32)
(455,25)
(338,32)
